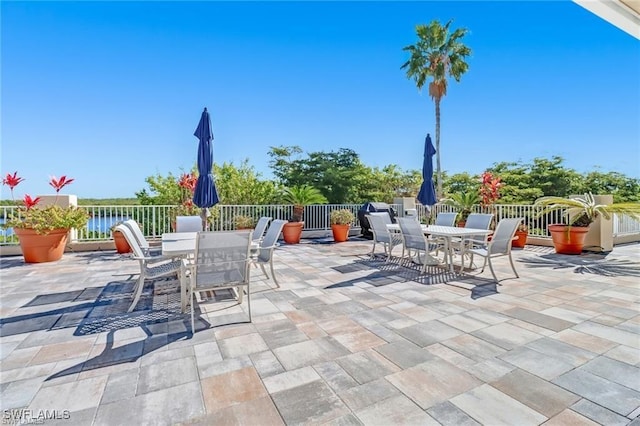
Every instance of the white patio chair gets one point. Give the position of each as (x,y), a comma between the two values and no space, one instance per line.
(150,266)
(474,221)
(446,219)
(139,236)
(221,261)
(264,253)
(188,223)
(382,235)
(414,239)
(500,245)
(261,226)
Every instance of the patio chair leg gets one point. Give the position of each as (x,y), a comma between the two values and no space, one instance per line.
(273,274)
(513,266)
(484,264)
(373,250)
(249,301)
(137,292)
(193,323)
(264,270)
(492,271)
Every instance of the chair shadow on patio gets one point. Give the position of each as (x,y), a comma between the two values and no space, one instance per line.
(590,263)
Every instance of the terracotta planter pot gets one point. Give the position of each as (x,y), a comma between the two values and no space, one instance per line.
(568,239)
(292,231)
(38,248)
(122,246)
(340,233)
(461,223)
(522,239)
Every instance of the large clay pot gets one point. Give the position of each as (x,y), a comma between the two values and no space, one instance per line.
(568,239)
(122,246)
(340,232)
(521,241)
(292,231)
(38,248)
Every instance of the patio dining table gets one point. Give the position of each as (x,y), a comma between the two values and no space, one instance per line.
(448,233)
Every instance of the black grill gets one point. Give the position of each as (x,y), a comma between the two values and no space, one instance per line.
(373,207)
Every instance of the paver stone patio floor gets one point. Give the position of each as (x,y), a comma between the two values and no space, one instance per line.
(345,340)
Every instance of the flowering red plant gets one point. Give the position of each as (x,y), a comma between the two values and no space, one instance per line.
(29,202)
(12,181)
(188,182)
(58,184)
(490,188)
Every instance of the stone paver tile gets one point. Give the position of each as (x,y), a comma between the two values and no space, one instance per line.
(428,333)
(120,385)
(544,397)
(242,345)
(358,340)
(384,333)
(610,333)
(487,316)
(367,366)
(398,410)
(625,354)
(617,398)
(72,396)
(418,313)
(280,333)
(448,414)
(294,407)
(584,341)
(224,366)
(490,369)
(616,371)
(368,394)
(266,363)
(231,388)
(432,382)
(259,411)
(534,362)
(473,347)
(571,315)
(19,393)
(404,353)
(335,376)
(18,358)
(541,320)
(568,353)
(507,336)
(449,355)
(290,379)
(234,330)
(28,372)
(598,414)
(311,330)
(569,418)
(489,406)
(167,374)
(463,322)
(532,327)
(346,420)
(163,407)
(309,352)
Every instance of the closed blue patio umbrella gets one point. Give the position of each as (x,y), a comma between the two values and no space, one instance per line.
(427,194)
(205,194)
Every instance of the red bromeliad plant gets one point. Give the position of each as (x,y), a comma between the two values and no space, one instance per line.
(187,184)
(43,219)
(490,188)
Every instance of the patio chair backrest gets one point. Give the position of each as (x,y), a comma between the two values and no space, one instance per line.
(138,252)
(384,215)
(258,231)
(412,233)
(501,239)
(137,233)
(446,219)
(188,223)
(222,259)
(268,243)
(379,227)
(478,221)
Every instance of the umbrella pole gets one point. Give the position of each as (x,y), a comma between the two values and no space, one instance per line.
(203,216)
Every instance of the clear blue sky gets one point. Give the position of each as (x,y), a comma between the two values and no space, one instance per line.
(110,93)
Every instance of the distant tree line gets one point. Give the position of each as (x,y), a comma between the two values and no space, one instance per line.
(342,177)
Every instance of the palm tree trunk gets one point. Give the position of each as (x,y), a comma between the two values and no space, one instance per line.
(438,170)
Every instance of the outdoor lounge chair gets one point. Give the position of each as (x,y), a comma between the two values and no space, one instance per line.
(264,253)
(150,266)
(500,245)
(382,235)
(188,223)
(221,261)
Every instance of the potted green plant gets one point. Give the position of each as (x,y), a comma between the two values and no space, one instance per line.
(43,230)
(578,214)
(299,196)
(243,222)
(341,221)
(521,233)
(463,202)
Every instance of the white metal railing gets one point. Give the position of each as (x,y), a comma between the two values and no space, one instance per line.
(157,219)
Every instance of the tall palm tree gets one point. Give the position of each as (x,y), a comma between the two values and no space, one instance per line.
(437,54)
